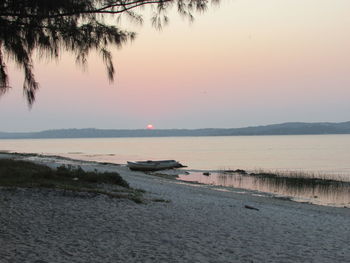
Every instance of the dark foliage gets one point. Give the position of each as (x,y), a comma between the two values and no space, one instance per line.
(76,26)
(27,174)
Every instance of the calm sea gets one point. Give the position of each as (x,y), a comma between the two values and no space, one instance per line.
(318,153)
(327,155)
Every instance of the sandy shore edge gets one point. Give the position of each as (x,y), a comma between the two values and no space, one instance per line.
(200,224)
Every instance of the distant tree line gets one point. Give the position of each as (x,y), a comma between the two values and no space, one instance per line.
(296,128)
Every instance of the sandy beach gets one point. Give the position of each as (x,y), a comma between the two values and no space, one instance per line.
(193,223)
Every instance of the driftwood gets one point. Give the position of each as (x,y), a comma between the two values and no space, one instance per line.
(251,207)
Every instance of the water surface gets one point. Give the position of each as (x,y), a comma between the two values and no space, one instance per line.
(328,155)
(318,153)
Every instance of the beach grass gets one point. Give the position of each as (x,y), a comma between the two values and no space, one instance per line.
(301,178)
(18,173)
(294,177)
(294,180)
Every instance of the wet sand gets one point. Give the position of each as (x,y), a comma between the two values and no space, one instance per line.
(200,223)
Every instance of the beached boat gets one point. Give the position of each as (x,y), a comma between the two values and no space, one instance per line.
(154,165)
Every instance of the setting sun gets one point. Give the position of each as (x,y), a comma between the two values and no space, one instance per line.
(150,127)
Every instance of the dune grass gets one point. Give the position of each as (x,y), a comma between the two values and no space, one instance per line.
(17,173)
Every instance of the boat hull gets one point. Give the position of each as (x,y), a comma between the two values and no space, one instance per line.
(154,165)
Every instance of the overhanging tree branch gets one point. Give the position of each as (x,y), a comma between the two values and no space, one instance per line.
(75,26)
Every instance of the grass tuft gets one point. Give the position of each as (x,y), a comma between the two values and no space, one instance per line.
(17,173)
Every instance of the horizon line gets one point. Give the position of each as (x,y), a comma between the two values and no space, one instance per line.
(165,129)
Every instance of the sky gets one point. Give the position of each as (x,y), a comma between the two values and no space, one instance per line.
(241,63)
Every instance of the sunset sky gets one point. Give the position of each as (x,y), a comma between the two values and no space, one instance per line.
(244,62)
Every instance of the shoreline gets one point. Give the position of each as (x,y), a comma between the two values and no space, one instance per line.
(200,223)
(54,161)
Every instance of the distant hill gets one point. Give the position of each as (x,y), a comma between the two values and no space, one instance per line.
(290,128)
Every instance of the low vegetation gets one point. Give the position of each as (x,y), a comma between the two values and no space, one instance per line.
(293,177)
(16,173)
(301,178)
(294,180)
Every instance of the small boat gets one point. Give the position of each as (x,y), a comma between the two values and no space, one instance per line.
(154,165)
